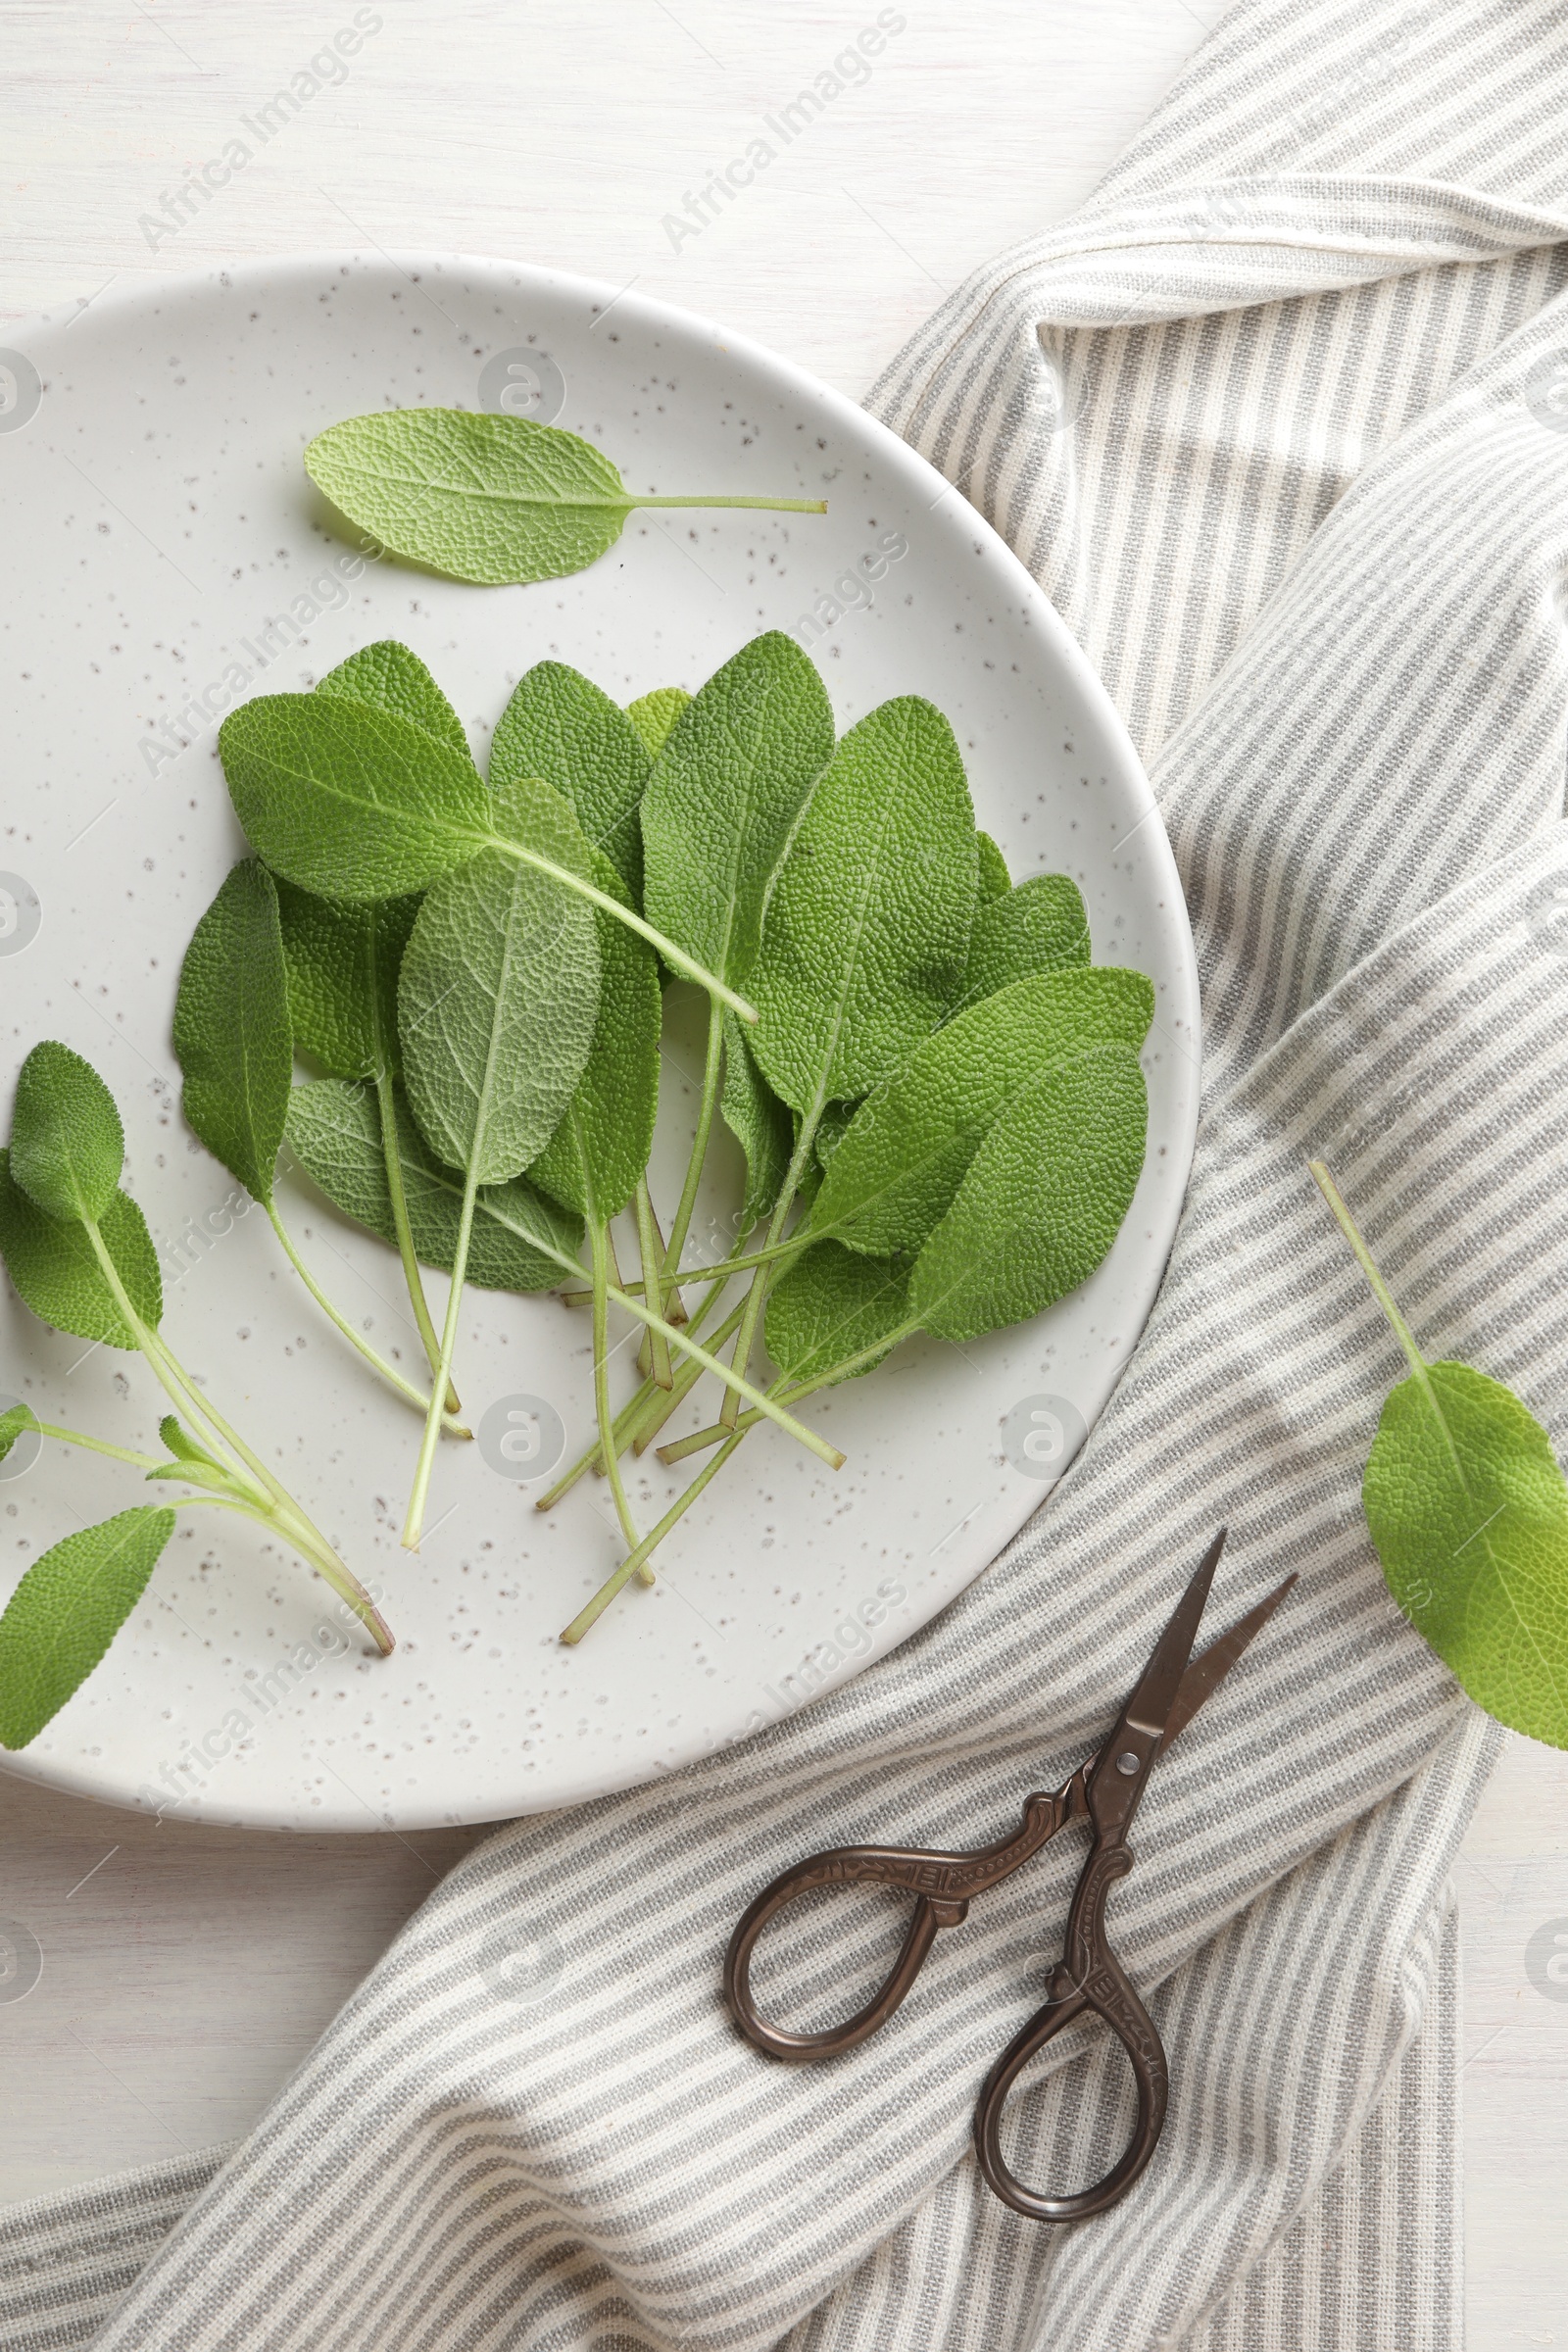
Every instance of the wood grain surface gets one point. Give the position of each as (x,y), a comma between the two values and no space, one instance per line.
(186,1970)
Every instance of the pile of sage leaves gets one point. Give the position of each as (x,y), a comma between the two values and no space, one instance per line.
(938,1098)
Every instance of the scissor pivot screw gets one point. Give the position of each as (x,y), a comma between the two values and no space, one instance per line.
(1127,1762)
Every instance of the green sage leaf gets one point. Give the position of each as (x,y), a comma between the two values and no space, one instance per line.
(481,497)
(55,1272)
(181,1444)
(1042,1201)
(1469,1513)
(232,1036)
(1041,926)
(65,1611)
(654,714)
(561,726)
(899,1165)
(343,964)
(597,1153)
(993,879)
(519,1237)
(348,801)
(724,798)
(392,677)
(833,1308)
(868,925)
(68,1146)
(762,1125)
(496,1003)
(14,1424)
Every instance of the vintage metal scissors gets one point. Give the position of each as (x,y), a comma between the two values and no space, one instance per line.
(1104,1792)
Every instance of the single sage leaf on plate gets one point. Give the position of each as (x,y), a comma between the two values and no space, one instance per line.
(594,1160)
(994,880)
(654,714)
(68,1146)
(1468,1510)
(1043,1199)
(834,1308)
(55,1272)
(724,798)
(485,498)
(869,924)
(349,801)
(561,726)
(67,1610)
(519,1237)
(232,1036)
(1041,926)
(904,1153)
(392,677)
(496,1003)
(762,1125)
(14,1424)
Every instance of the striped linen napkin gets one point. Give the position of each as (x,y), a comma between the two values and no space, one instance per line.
(1280,422)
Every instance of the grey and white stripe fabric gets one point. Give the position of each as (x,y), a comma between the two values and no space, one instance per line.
(1277,420)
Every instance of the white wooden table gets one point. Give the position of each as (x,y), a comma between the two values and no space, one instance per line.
(186,1970)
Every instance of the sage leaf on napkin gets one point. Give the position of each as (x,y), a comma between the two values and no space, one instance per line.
(67,1610)
(1468,1510)
(485,498)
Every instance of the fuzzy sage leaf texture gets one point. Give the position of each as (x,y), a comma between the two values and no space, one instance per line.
(600,1147)
(1041,926)
(68,1146)
(1043,1200)
(727,794)
(57,1272)
(521,1240)
(497,499)
(67,1610)
(836,1314)
(343,964)
(654,714)
(392,677)
(759,1121)
(869,924)
(900,1160)
(1468,1508)
(561,726)
(233,1039)
(497,1002)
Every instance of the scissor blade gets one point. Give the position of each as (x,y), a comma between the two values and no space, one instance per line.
(1150,1706)
(1206,1672)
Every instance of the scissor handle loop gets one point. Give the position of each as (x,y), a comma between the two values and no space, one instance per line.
(1102,1989)
(942,1885)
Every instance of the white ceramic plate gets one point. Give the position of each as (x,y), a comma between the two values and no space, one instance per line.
(159,525)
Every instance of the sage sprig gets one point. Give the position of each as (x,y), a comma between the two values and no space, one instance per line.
(80,1255)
